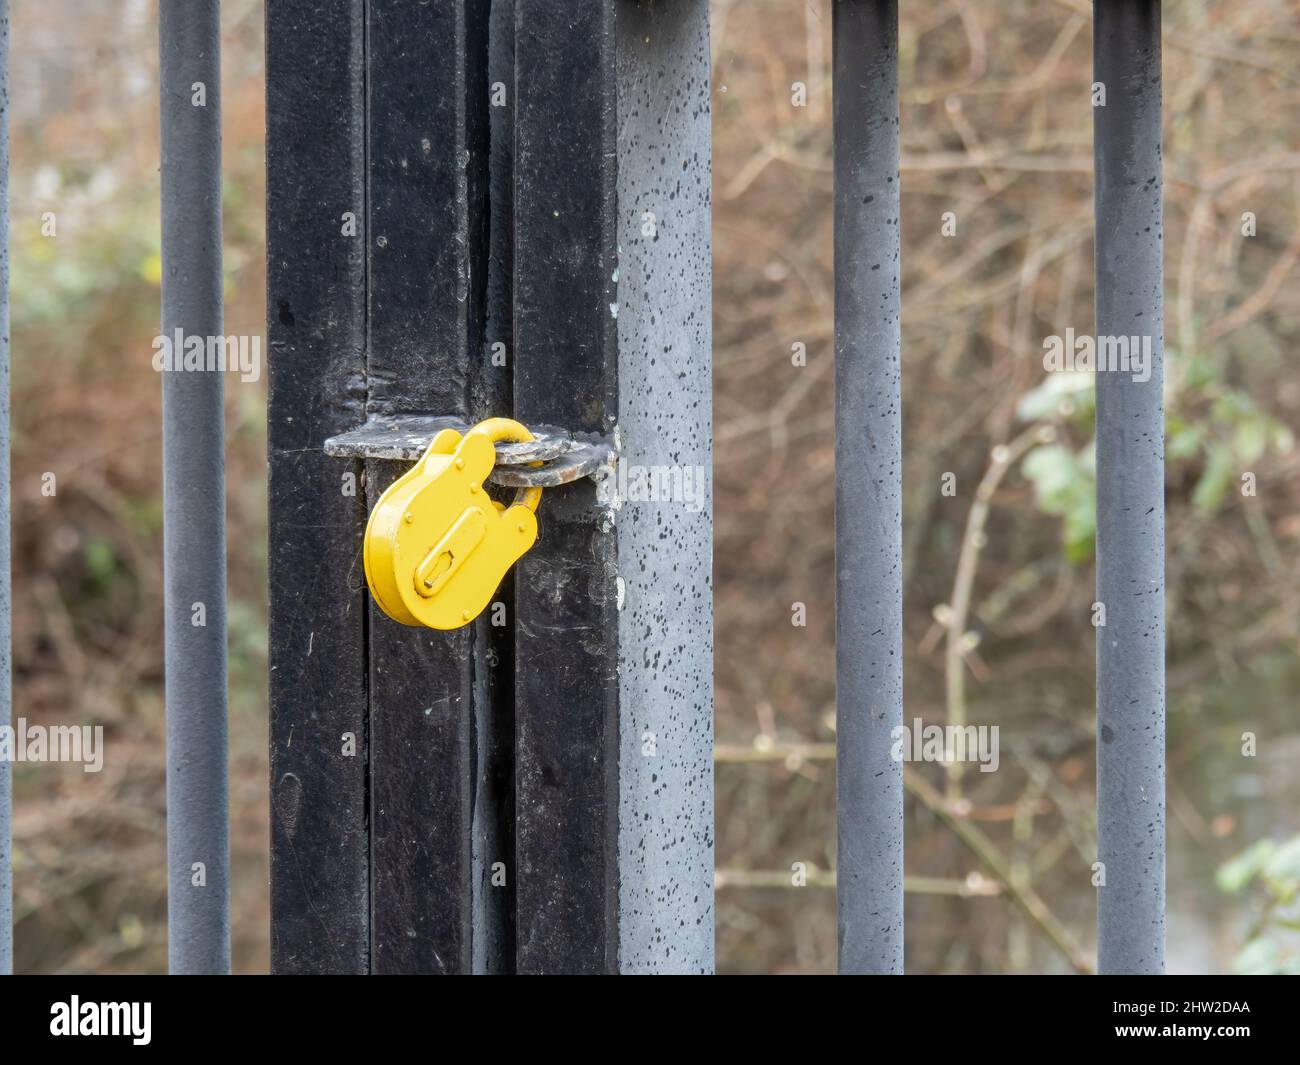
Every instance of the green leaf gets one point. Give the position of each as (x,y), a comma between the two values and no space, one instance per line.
(1283,864)
(1250,438)
(1197,372)
(100,558)
(1183,439)
(1065,486)
(1057,388)
(1053,472)
(1236,873)
(1081,527)
(1220,472)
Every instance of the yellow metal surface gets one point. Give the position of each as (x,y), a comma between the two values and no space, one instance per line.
(436,545)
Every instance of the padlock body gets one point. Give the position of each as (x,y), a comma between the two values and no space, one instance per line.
(436,546)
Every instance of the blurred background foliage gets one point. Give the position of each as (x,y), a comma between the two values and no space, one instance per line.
(996,128)
(999,582)
(89,848)
(1273,869)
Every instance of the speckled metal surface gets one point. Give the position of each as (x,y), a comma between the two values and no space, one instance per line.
(665,546)
(868,487)
(1130,493)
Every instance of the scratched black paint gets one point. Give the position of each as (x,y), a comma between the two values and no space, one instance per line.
(427,251)
(316,320)
(566,697)
(387,862)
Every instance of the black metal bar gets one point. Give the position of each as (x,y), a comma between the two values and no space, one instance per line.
(566,698)
(194,493)
(316,292)
(868,487)
(427,253)
(1130,489)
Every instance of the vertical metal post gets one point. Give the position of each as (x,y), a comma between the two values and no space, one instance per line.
(1130,490)
(194,494)
(665,547)
(6,644)
(316,322)
(390,745)
(566,650)
(427,241)
(868,487)
(613,685)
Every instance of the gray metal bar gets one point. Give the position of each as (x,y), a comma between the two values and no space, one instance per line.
(6,658)
(194,494)
(868,487)
(665,549)
(1130,491)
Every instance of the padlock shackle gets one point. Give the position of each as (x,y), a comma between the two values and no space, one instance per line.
(509,431)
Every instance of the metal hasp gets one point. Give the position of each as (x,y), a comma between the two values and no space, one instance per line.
(868,487)
(194,494)
(6,643)
(1130,489)
(552,458)
(457,202)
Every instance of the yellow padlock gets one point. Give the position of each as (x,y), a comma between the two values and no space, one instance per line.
(437,545)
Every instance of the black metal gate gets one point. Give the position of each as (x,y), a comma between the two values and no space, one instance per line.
(482,209)
(501,207)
